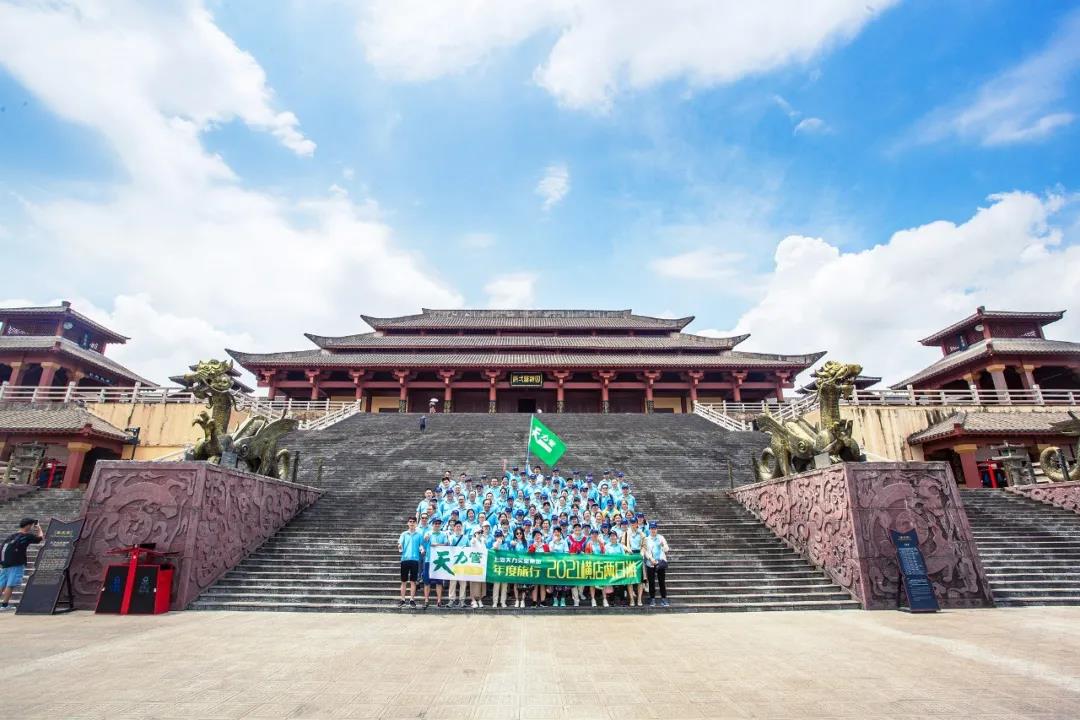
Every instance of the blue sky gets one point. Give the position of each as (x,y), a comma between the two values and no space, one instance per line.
(237,173)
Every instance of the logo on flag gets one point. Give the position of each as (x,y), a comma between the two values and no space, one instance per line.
(545,444)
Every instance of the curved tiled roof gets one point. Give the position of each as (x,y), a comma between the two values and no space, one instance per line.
(53,418)
(674,341)
(1023,346)
(1043,318)
(527,320)
(723,359)
(992,423)
(32,312)
(42,342)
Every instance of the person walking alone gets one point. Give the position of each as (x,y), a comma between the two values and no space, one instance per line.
(13,558)
(656,562)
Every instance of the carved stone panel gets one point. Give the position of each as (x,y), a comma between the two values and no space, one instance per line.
(1064,495)
(840,517)
(212,516)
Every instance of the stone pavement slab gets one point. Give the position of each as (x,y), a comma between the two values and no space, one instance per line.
(986,664)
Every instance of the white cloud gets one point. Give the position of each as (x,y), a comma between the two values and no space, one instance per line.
(608,46)
(811,126)
(555,184)
(1021,104)
(180,237)
(348,173)
(700,264)
(513,291)
(873,305)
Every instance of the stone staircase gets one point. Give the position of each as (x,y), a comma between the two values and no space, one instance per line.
(43,505)
(1030,550)
(340,554)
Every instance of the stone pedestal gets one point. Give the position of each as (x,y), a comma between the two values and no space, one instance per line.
(211,516)
(840,518)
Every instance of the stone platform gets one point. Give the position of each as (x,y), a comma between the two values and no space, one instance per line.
(986,664)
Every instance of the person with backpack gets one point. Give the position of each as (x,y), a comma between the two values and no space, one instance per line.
(13,558)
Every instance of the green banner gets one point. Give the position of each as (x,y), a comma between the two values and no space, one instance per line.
(545,444)
(563,569)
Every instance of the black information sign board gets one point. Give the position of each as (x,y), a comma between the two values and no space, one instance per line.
(51,576)
(914,582)
(526,379)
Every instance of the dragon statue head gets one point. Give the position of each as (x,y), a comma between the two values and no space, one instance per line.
(209,378)
(838,375)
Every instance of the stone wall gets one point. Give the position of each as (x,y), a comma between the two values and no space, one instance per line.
(8,491)
(212,516)
(883,430)
(164,428)
(840,517)
(1061,494)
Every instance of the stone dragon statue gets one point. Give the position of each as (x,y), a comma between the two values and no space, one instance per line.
(795,443)
(1054,464)
(253,444)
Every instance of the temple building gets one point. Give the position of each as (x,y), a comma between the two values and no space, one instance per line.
(526,361)
(55,345)
(999,350)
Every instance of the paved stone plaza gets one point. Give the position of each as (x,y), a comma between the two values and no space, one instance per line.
(986,664)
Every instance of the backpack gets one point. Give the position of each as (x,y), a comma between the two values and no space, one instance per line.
(9,549)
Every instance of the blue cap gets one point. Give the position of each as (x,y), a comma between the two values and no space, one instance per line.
(625,485)
(640,515)
(653,524)
(498,533)
(519,512)
(527,522)
(605,525)
(594,531)
(621,474)
(625,521)
(454,512)
(436,519)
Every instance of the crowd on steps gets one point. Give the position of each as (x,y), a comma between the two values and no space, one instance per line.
(530,512)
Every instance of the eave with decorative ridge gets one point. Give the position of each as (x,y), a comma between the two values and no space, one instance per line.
(525,320)
(672,341)
(1042,318)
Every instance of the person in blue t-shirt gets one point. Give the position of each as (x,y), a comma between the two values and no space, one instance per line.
(435,536)
(410,545)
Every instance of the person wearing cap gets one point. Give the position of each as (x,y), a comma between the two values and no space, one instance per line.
(595,546)
(477,589)
(635,541)
(434,536)
(499,589)
(558,544)
(538,546)
(613,547)
(656,562)
(519,544)
(458,588)
(576,546)
(410,545)
(13,558)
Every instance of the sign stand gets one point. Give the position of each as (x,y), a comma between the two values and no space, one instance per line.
(913,582)
(52,576)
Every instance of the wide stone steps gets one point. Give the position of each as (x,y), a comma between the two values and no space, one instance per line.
(1030,550)
(340,555)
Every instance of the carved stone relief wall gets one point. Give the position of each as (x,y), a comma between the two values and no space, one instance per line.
(1061,494)
(213,517)
(840,518)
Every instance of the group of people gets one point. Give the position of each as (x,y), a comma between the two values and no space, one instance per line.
(529,512)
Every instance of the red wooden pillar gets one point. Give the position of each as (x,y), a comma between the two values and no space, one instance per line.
(358,386)
(448,389)
(48,374)
(605,400)
(651,376)
(695,378)
(75,461)
(781,380)
(267,378)
(968,464)
(16,373)
(313,378)
(403,393)
(736,390)
(492,376)
(560,390)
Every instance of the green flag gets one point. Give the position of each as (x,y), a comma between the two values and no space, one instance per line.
(545,444)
